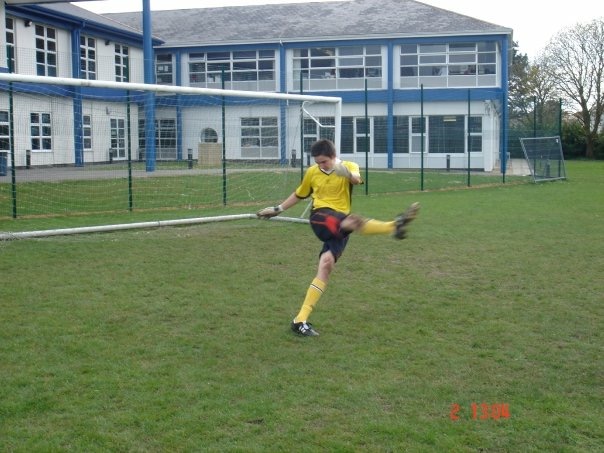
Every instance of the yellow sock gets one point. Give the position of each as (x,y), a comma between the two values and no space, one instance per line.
(377,227)
(314,293)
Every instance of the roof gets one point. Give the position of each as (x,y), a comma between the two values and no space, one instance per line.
(340,19)
(73,12)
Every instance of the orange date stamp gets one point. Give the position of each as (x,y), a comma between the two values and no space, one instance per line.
(482,411)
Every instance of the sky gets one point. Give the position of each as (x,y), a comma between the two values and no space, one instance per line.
(534,22)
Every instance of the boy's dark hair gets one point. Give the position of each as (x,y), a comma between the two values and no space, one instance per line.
(323,147)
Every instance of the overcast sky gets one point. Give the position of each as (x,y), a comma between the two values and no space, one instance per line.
(534,21)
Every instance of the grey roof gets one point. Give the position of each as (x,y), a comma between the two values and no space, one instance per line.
(67,9)
(344,19)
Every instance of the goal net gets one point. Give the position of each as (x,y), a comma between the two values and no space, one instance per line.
(544,157)
(75,147)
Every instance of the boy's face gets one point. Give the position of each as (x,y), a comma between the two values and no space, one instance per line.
(325,163)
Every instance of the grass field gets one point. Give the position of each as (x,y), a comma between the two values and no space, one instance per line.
(107,189)
(177,339)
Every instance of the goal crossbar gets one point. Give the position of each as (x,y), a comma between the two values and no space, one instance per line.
(66,81)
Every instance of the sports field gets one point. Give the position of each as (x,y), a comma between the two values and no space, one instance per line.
(480,332)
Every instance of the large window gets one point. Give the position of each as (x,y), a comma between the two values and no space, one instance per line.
(357,134)
(448,65)
(46,51)
(10,43)
(121,63)
(41,131)
(4,131)
(87,58)
(401,134)
(344,67)
(164,69)
(165,138)
(442,134)
(446,134)
(259,137)
(241,69)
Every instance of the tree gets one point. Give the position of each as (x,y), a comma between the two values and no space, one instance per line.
(534,107)
(519,87)
(575,59)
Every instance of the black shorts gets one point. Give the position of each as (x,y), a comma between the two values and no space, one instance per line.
(325,223)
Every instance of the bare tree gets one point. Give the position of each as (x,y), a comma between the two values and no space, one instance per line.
(575,58)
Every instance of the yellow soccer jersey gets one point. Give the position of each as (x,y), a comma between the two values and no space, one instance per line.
(328,190)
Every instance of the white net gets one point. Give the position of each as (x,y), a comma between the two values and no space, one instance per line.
(78,147)
(545,157)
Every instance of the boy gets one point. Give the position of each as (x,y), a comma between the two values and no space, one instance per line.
(330,183)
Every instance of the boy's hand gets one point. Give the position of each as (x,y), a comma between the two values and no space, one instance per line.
(269,212)
(341,170)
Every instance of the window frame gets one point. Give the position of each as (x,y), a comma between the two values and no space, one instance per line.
(9,24)
(164,69)
(259,136)
(453,65)
(88,55)
(40,131)
(46,50)
(121,59)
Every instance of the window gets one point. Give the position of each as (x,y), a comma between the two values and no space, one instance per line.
(446,134)
(209,135)
(401,134)
(448,65)
(121,63)
(475,128)
(165,135)
(87,132)
(487,58)
(87,58)
(353,133)
(259,137)
(10,43)
(418,126)
(46,51)
(239,66)
(118,138)
(165,138)
(41,132)
(362,134)
(313,130)
(164,69)
(4,131)
(339,63)
(380,134)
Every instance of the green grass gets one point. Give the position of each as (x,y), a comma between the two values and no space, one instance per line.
(111,192)
(177,339)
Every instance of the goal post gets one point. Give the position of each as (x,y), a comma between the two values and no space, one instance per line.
(76,146)
(545,157)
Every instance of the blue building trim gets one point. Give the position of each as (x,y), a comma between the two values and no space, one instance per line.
(149,78)
(179,109)
(283,107)
(390,107)
(503,142)
(54,19)
(78,145)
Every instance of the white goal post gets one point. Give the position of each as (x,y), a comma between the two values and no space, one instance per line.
(243,148)
(254,96)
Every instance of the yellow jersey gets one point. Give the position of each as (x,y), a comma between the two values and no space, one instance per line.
(328,190)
